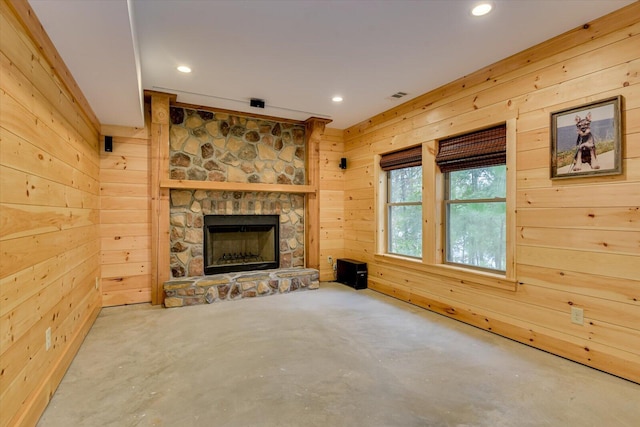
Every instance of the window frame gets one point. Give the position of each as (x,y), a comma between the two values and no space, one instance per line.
(433,211)
(389,205)
(447,201)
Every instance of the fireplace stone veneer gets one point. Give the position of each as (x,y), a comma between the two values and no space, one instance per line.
(219,147)
(188,208)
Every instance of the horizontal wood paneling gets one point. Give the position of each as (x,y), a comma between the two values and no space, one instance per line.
(577,240)
(125,228)
(49,218)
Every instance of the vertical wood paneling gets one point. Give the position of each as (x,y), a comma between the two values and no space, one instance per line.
(159,196)
(49,217)
(576,241)
(126,263)
(331,201)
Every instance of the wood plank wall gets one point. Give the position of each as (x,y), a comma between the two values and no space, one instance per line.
(331,201)
(125,217)
(578,241)
(49,218)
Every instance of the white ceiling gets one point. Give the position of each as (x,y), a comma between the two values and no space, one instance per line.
(294,54)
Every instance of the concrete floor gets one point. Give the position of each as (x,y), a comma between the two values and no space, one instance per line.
(331,357)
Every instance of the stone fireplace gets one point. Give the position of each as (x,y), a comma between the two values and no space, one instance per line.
(219,147)
(212,162)
(187,221)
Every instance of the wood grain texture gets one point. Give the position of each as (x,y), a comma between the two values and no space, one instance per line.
(314,132)
(236,186)
(331,202)
(159,168)
(125,229)
(49,216)
(575,242)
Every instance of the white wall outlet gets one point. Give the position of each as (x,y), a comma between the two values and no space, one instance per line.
(577,315)
(330,260)
(97,282)
(47,338)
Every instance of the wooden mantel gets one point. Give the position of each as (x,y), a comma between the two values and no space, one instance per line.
(161,185)
(235,186)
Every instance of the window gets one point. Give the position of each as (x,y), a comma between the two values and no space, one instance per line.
(475,201)
(475,198)
(404,201)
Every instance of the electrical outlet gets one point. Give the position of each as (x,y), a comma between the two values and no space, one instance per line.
(47,338)
(577,315)
(330,260)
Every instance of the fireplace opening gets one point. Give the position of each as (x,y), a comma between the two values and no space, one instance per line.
(241,243)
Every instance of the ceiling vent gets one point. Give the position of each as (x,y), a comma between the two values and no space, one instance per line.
(398,95)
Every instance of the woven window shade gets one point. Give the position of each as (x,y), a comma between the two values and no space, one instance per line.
(402,159)
(486,147)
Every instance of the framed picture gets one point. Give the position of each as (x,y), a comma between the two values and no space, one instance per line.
(587,140)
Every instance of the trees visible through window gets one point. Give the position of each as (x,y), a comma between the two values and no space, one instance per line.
(475,198)
(404,211)
(404,201)
(475,201)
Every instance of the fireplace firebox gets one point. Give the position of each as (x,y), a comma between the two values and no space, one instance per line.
(241,243)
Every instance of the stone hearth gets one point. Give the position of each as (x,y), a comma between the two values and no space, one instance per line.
(238,285)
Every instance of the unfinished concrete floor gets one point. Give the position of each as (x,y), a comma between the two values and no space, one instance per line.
(331,357)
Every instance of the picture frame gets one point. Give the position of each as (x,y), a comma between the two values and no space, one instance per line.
(587,140)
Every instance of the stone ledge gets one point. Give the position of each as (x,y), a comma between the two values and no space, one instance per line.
(235,286)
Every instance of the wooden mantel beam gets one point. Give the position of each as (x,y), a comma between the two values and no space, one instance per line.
(314,132)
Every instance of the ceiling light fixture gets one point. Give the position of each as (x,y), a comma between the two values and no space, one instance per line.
(481,9)
(184,69)
(337,98)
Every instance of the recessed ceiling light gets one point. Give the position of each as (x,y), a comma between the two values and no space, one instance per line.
(184,69)
(481,9)
(337,98)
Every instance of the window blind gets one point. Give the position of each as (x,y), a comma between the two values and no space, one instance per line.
(486,147)
(402,159)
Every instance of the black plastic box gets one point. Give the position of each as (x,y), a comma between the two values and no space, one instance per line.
(352,273)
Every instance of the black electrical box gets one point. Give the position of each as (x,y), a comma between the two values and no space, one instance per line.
(352,273)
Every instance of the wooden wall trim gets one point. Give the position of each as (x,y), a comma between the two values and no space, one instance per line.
(159,196)
(236,186)
(236,113)
(35,30)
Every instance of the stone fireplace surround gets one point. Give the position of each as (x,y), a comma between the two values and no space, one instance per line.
(207,146)
(219,147)
(188,208)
